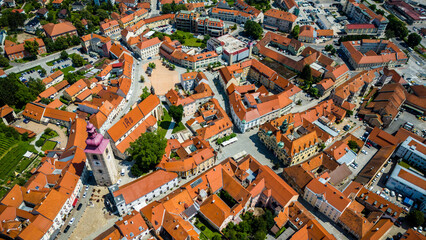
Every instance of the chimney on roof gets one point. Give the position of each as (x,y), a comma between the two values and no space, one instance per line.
(213,201)
(125,222)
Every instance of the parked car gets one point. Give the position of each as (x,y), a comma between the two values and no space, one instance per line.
(71,221)
(67,228)
(79,206)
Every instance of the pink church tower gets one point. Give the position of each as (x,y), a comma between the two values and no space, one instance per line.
(101,158)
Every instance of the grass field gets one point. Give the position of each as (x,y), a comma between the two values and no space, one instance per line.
(208,232)
(67,69)
(192,42)
(28,7)
(178,127)
(48,145)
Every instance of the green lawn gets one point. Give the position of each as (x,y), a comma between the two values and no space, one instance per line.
(28,7)
(67,69)
(178,128)
(192,42)
(49,136)
(208,232)
(48,145)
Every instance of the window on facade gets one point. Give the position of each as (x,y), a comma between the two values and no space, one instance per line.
(100,171)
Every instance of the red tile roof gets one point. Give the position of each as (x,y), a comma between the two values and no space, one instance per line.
(144,185)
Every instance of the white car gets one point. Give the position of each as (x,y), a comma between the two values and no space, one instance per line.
(71,221)
(392,193)
(119,181)
(378,192)
(365,152)
(87,187)
(84,195)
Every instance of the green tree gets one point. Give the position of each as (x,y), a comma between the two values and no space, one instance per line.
(152,65)
(253,29)
(353,145)
(306,74)
(146,152)
(328,48)
(4,62)
(166,8)
(314,92)
(45,100)
(397,26)
(295,32)
(102,14)
(36,85)
(21,93)
(64,55)
(416,218)
(414,39)
(77,60)
(142,79)
(31,47)
(349,113)
(176,112)
(15,20)
(145,93)
(380,12)
(373,7)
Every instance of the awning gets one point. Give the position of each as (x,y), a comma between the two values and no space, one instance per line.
(75,202)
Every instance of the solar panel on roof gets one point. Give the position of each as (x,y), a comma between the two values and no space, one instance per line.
(198,181)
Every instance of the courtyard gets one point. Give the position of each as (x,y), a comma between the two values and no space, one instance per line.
(162,78)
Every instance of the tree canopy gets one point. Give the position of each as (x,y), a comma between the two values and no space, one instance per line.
(414,39)
(13,20)
(64,55)
(172,7)
(295,32)
(176,112)
(77,60)
(306,74)
(253,29)
(396,27)
(21,93)
(251,227)
(147,152)
(31,47)
(145,93)
(416,218)
(353,145)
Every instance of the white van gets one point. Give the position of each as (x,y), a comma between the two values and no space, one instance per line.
(122,172)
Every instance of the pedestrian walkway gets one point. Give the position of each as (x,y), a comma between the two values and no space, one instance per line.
(170,130)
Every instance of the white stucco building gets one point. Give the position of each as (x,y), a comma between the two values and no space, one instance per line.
(139,193)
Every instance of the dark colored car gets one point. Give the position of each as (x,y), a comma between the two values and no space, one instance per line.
(67,228)
(79,206)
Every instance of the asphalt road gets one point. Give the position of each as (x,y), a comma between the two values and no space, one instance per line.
(40,61)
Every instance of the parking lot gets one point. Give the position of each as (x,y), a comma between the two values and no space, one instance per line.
(324,17)
(379,185)
(402,119)
(251,144)
(51,66)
